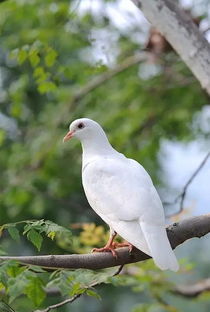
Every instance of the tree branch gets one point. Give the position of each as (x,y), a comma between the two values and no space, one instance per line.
(70,300)
(182,195)
(100,79)
(187,291)
(194,290)
(60,304)
(178,233)
(183,35)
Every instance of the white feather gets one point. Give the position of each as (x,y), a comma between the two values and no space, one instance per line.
(159,246)
(122,193)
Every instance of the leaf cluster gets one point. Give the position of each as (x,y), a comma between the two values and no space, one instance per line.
(34,231)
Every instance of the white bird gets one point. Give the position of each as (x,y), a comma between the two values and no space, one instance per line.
(122,193)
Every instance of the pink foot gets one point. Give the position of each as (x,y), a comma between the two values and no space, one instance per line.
(126,244)
(106,249)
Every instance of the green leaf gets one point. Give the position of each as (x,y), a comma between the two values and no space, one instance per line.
(13,54)
(62,280)
(46,86)
(14,270)
(7,268)
(50,57)
(35,238)
(2,252)
(37,225)
(2,136)
(77,289)
(40,74)
(34,57)
(92,293)
(35,292)
(14,233)
(51,235)
(16,287)
(2,227)
(21,56)
(52,229)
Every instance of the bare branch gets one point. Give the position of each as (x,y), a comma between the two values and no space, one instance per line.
(119,270)
(193,290)
(60,304)
(100,79)
(182,195)
(178,233)
(183,35)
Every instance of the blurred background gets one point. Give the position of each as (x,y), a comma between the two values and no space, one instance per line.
(61,60)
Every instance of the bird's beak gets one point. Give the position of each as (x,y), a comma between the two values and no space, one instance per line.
(68,136)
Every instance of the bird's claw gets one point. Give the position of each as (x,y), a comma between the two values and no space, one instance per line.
(106,249)
(111,248)
(126,244)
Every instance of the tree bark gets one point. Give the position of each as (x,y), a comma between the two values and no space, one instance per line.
(177,234)
(183,35)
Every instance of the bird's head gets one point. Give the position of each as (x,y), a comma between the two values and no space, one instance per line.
(82,128)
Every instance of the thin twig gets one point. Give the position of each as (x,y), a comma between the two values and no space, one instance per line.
(99,80)
(72,299)
(60,304)
(206,30)
(118,270)
(182,195)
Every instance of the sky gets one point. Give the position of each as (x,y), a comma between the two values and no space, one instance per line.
(180,162)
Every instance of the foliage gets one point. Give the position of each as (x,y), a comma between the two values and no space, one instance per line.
(33,282)
(50,51)
(34,230)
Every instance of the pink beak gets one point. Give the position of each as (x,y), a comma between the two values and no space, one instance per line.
(68,136)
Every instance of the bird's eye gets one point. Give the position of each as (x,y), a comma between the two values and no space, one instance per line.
(80,125)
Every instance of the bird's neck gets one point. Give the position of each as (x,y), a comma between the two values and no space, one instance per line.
(95,146)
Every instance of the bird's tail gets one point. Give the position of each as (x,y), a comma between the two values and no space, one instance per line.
(159,246)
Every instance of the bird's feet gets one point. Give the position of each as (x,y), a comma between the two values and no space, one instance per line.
(111,248)
(107,248)
(125,244)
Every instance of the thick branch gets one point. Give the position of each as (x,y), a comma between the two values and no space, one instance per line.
(177,233)
(194,290)
(183,35)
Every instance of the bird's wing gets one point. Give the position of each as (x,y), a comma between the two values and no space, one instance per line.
(121,190)
(123,195)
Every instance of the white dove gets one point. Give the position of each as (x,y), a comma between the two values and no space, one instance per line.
(122,193)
